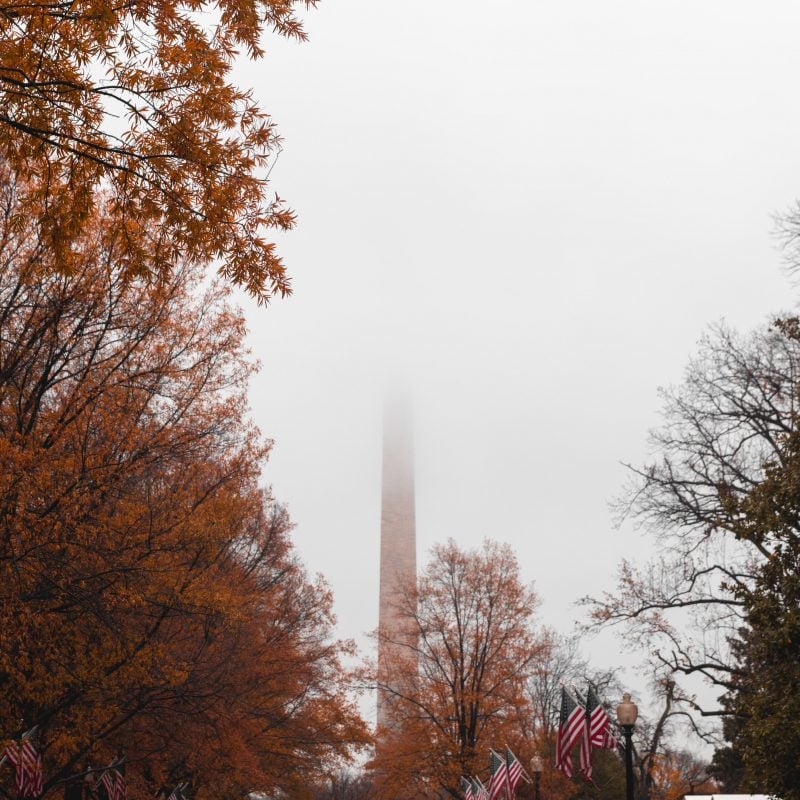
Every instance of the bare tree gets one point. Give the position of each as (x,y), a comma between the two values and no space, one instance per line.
(721,425)
(561,664)
(345,785)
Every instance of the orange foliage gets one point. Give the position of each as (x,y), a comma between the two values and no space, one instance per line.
(677,773)
(136,97)
(457,686)
(150,600)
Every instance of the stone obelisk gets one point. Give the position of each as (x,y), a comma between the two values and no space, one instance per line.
(398,547)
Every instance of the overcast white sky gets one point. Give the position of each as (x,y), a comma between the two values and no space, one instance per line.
(531,210)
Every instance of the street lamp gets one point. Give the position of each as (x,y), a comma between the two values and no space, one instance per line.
(627,712)
(536,769)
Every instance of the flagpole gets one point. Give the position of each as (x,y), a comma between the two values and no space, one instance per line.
(536,769)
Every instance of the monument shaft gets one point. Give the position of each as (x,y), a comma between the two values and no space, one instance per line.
(398,567)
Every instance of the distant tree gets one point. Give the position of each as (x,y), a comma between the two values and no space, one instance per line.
(345,786)
(562,664)
(677,773)
(136,98)
(665,771)
(461,686)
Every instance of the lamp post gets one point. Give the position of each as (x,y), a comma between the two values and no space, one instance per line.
(536,769)
(627,712)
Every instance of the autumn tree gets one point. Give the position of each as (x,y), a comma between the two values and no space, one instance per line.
(677,773)
(136,98)
(458,685)
(151,602)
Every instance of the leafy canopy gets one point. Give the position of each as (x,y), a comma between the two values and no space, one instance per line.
(136,97)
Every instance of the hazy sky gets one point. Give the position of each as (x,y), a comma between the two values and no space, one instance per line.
(531,210)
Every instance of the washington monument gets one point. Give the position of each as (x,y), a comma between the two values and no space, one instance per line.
(398,567)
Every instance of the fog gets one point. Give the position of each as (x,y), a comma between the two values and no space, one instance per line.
(527,213)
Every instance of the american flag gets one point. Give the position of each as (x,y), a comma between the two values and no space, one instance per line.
(571,728)
(499,772)
(12,753)
(469,791)
(481,792)
(107,782)
(114,784)
(600,733)
(33,765)
(514,771)
(27,765)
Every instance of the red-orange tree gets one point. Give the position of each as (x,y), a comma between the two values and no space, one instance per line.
(457,686)
(137,97)
(149,598)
